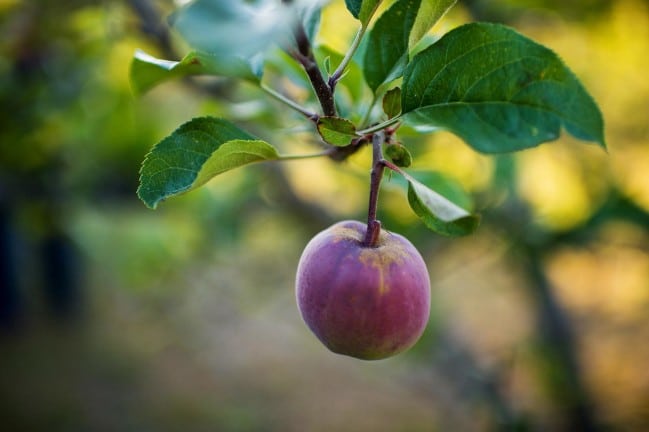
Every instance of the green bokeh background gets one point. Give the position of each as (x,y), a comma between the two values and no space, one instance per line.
(116,317)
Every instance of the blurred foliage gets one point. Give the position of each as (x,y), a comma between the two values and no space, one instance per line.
(184,318)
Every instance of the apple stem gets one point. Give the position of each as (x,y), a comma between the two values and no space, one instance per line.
(378,165)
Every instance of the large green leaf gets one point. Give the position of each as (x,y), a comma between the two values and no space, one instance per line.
(395,33)
(147,71)
(438,213)
(497,90)
(233,27)
(237,28)
(194,153)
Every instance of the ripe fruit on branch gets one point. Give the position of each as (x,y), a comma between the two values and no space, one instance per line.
(364,302)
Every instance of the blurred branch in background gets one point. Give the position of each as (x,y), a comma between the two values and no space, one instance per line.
(37,253)
(152,25)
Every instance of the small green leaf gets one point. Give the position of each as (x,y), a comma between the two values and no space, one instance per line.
(429,13)
(497,90)
(327,65)
(352,83)
(147,71)
(336,131)
(399,155)
(354,6)
(438,213)
(395,34)
(194,153)
(363,9)
(392,102)
(367,11)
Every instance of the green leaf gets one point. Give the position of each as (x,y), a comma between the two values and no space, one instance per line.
(497,90)
(233,28)
(354,6)
(237,28)
(446,186)
(327,65)
(399,155)
(310,12)
(363,9)
(194,153)
(438,213)
(392,102)
(395,33)
(387,43)
(282,64)
(367,11)
(336,131)
(429,13)
(147,71)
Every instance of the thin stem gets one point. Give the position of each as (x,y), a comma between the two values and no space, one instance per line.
(374,226)
(305,156)
(333,79)
(394,168)
(297,107)
(378,127)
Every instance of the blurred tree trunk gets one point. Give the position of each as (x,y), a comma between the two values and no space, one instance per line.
(557,351)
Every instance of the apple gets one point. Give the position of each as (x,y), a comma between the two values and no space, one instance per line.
(368,302)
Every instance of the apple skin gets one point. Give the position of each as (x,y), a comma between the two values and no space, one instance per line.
(365,302)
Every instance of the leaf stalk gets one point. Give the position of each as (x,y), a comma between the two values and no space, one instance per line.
(294,105)
(379,126)
(340,70)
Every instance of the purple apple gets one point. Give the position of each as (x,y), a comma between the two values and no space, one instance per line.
(364,302)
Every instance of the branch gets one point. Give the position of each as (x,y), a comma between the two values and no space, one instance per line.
(373,225)
(304,55)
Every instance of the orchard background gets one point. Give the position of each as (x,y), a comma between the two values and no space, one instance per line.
(115,317)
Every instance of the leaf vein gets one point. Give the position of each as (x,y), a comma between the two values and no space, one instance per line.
(447,64)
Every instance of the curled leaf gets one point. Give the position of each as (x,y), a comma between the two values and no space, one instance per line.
(438,213)
(148,71)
